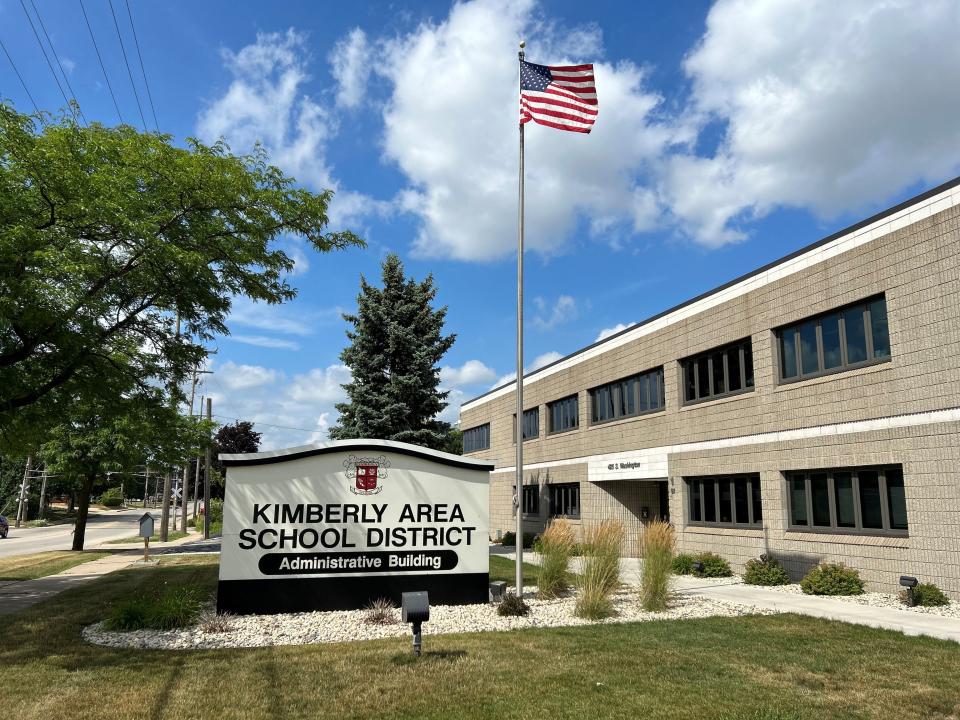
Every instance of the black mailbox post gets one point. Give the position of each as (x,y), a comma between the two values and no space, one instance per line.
(415,609)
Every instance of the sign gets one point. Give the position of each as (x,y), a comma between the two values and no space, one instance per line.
(146,525)
(337,525)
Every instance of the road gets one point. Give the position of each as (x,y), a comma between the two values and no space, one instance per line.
(102,525)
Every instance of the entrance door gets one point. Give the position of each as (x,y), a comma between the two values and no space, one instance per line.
(664,495)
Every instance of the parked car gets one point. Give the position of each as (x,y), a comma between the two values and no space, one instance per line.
(4,527)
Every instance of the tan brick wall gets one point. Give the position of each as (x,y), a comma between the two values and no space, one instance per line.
(918,268)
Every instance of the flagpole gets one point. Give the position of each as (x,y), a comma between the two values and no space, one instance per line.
(519,420)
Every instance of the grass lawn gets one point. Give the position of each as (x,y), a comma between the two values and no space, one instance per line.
(758,668)
(29,567)
(54,516)
(502,568)
(155,538)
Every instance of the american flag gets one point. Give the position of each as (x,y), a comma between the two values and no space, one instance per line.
(559,96)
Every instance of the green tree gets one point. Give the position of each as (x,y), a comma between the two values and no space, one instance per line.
(107,235)
(395,346)
(119,434)
(240,437)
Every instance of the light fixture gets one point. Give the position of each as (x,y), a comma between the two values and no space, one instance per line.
(909,583)
(415,609)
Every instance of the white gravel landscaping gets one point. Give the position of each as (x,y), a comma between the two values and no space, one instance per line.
(890,601)
(346,626)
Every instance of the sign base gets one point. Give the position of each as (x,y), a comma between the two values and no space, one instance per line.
(289,595)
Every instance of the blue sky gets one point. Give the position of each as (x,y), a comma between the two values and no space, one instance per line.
(729,134)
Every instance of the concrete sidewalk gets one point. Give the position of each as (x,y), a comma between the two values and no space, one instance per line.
(15,595)
(906,621)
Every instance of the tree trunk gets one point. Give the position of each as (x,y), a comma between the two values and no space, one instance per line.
(80,528)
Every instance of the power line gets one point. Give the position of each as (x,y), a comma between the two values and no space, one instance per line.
(102,66)
(127,63)
(258,422)
(57,58)
(45,57)
(19,76)
(143,71)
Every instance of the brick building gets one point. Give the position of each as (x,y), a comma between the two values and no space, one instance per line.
(809,410)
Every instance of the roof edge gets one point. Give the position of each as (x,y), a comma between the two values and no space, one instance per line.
(271,457)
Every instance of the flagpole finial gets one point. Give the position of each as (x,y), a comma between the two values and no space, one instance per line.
(523,44)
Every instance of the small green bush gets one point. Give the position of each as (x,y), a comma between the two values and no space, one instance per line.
(510,538)
(512,606)
(169,609)
(832,579)
(928,595)
(765,571)
(112,497)
(683,564)
(713,566)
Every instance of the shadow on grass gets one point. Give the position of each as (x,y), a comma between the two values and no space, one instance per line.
(428,658)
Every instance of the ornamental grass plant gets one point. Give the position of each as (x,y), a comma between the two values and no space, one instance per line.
(659,541)
(556,546)
(601,570)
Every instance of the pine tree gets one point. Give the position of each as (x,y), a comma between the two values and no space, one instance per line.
(395,347)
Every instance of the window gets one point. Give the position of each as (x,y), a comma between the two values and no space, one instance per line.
(631,396)
(835,341)
(531,499)
(848,500)
(563,414)
(477,438)
(565,500)
(531,424)
(727,370)
(725,500)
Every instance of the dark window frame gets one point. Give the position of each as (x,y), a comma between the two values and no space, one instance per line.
(639,378)
(468,434)
(844,366)
(551,430)
(566,495)
(695,492)
(692,364)
(834,528)
(533,412)
(529,500)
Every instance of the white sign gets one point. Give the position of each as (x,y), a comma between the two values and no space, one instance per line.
(353,510)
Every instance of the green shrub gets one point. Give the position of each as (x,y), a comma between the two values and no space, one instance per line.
(601,570)
(658,543)
(510,538)
(555,546)
(832,579)
(175,608)
(928,595)
(765,571)
(512,606)
(129,614)
(713,566)
(112,497)
(683,564)
(166,610)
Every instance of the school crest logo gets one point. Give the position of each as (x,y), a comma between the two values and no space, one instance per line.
(366,473)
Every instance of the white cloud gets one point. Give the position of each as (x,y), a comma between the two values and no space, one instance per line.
(607,332)
(350,63)
(285,319)
(266,342)
(827,106)
(564,310)
(538,362)
(244,377)
(266,104)
(287,411)
(468,120)
(472,372)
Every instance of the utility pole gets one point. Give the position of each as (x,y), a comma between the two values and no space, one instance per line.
(146,487)
(43,495)
(186,465)
(206,480)
(167,478)
(21,514)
